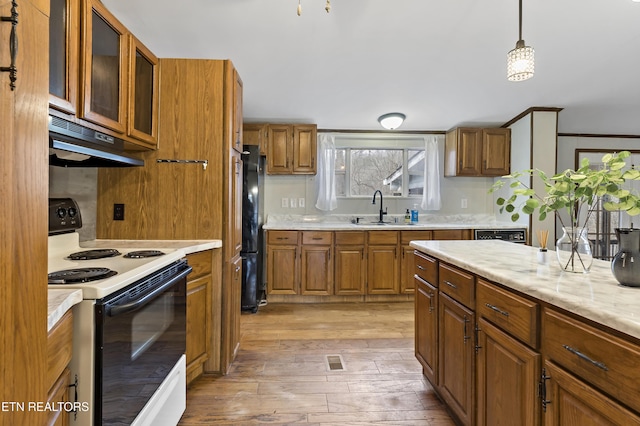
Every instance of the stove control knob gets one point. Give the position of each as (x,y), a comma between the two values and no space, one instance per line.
(60,212)
(72,212)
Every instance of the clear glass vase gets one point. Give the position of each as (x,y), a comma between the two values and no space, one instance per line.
(574,251)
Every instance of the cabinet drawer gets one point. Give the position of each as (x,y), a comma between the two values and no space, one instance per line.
(383,237)
(407,236)
(426,268)
(201,263)
(512,313)
(317,237)
(59,347)
(349,238)
(282,237)
(607,362)
(458,284)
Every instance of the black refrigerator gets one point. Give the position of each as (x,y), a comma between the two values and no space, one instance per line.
(252,235)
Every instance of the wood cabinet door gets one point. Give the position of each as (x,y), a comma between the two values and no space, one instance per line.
(235,198)
(237,112)
(282,269)
(304,149)
(104,67)
(496,152)
(279,149)
(64,39)
(316,270)
(350,270)
(456,358)
(570,401)
(382,269)
(198,316)
(143,100)
(407,270)
(469,151)
(426,328)
(507,379)
(255,134)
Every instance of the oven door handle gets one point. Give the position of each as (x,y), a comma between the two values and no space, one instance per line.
(147,298)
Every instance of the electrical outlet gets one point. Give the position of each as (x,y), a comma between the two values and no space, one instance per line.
(301,202)
(293,203)
(285,203)
(118,212)
(463,203)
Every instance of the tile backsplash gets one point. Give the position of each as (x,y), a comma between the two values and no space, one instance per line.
(79,183)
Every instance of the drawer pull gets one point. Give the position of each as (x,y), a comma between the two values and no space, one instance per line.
(282,238)
(316,238)
(450,284)
(579,354)
(496,309)
(422,268)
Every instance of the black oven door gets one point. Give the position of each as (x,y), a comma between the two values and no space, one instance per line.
(140,336)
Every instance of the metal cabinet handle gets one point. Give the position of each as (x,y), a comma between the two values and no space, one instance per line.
(422,268)
(496,309)
(316,238)
(579,354)
(13,45)
(431,307)
(450,284)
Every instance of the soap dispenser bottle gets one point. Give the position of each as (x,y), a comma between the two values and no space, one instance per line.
(407,217)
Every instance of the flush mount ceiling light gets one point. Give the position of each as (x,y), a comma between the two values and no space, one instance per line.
(391,121)
(520,61)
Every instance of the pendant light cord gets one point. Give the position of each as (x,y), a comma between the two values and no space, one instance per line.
(520,21)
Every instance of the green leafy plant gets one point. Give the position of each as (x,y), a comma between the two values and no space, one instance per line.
(573,191)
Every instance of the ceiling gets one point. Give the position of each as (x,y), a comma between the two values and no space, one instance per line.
(441,62)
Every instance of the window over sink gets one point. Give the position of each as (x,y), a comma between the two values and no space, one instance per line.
(394,165)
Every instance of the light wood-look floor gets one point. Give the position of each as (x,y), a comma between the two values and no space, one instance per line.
(282,376)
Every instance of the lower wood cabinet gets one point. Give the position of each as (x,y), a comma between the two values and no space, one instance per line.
(456,358)
(316,264)
(283,267)
(382,262)
(570,401)
(350,267)
(496,356)
(199,313)
(426,328)
(507,375)
(59,351)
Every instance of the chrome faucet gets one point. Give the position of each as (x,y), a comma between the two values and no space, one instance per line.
(382,213)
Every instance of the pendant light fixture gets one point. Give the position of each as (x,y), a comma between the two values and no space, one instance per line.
(392,120)
(520,61)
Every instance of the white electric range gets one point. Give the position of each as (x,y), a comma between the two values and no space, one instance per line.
(129,337)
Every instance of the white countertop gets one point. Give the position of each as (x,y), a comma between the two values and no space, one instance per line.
(59,302)
(367,223)
(187,246)
(596,296)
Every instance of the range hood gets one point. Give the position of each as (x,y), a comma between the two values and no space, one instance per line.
(72,145)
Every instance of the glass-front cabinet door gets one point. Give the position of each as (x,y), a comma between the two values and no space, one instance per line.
(64,40)
(142,117)
(105,48)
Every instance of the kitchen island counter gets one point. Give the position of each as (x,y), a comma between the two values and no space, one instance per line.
(596,296)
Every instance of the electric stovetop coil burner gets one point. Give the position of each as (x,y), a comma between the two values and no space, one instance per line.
(80,275)
(142,254)
(94,254)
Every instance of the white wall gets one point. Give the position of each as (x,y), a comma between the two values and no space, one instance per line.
(452,189)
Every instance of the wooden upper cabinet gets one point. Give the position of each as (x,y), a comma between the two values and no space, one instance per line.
(291,149)
(304,149)
(237,112)
(104,67)
(279,149)
(477,152)
(256,134)
(64,41)
(143,99)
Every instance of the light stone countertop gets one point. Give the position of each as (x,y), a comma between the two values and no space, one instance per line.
(188,246)
(596,296)
(59,302)
(367,223)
